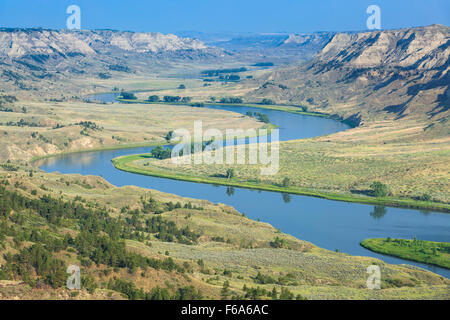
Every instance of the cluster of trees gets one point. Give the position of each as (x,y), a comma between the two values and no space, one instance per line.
(169,99)
(379,189)
(5,109)
(161,153)
(259,293)
(50,270)
(120,68)
(104,75)
(9,167)
(153,98)
(177,99)
(21,123)
(279,243)
(267,102)
(127,95)
(8,98)
(218,72)
(129,290)
(100,240)
(288,279)
(168,231)
(271,83)
(231,100)
(230,77)
(260,116)
(89,125)
(263,64)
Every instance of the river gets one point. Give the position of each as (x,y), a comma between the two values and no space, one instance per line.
(327,224)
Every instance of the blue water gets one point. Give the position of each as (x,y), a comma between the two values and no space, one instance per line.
(325,223)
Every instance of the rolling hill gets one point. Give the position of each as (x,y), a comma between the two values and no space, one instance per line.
(403,73)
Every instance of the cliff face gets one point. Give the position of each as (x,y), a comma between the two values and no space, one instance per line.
(278,48)
(38,61)
(400,72)
(16,43)
(423,48)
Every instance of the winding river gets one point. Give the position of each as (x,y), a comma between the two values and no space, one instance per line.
(329,224)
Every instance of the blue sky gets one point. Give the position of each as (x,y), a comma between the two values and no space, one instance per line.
(220,15)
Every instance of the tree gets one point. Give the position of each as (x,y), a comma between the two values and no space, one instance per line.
(128,95)
(160,153)
(231,100)
(225,290)
(172,98)
(286,294)
(379,189)
(279,243)
(153,98)
(425,197)
(267,101)
(274,294)
(286,182)
(230,173)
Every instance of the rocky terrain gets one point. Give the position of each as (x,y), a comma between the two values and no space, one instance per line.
(279,48)
(34,59)
(403,73)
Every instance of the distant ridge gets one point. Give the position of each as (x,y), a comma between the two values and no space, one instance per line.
(403,72)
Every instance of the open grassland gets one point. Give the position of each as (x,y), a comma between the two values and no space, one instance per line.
(409,155)
(437,253)
(341,166)
(230,247)
(47,128)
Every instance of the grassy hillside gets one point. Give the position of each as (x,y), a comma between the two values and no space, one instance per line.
(437,253)
(401,137)
(170,247)
(340,166)
(33,129)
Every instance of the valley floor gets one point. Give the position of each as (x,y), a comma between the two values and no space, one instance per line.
(233,256)
(230,248)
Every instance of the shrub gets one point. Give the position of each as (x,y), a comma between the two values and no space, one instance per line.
(379,189)
(128,96)
(267,101)
(153,98)
(286,182)
(425,197)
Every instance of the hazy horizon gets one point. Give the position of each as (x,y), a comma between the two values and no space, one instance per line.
(284,16)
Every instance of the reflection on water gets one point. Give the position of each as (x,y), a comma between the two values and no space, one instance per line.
(286,197)
(378,212)
(230,191)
